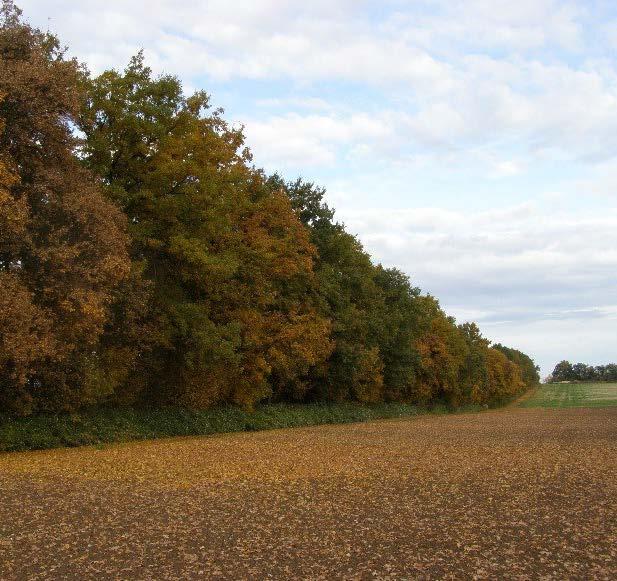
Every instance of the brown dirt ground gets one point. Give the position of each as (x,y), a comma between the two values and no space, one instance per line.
(525,494)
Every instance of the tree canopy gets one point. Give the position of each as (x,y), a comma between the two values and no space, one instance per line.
(566,371)
(144,260)
(62,242)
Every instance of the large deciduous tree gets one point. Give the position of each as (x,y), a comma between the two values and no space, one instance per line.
(62,244)
(530,372)
(229,264)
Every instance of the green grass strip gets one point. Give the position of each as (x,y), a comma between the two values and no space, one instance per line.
(571,395)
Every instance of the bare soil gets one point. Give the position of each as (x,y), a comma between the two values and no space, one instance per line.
(509,494)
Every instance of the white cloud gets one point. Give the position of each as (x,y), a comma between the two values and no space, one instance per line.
(430,60)
(499,260)
(522,25)
(550,341)
(508,167)
(314,139)
(601,182)
(308,103)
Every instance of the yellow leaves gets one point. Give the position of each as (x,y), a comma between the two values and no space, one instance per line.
(280,343)
(442,354)
(504,376)
(368,377)
(13,211)
(278,238)
(8,178)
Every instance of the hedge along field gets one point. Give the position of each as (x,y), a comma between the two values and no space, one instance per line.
(105,426)
(571,395)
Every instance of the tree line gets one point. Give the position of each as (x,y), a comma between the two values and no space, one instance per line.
(566,371)
(145,260)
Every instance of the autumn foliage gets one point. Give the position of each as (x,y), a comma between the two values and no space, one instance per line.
(145,260)
(62,242)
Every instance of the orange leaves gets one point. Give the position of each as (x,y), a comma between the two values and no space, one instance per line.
(25,341)
(13,211)
(281,344)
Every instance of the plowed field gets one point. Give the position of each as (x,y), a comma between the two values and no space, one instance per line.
(515,493)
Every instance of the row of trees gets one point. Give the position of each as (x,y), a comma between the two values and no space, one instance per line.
(566,371)
(145,260)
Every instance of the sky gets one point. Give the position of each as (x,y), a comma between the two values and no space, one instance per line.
(470,143)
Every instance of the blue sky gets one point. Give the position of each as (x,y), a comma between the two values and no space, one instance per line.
(471,143)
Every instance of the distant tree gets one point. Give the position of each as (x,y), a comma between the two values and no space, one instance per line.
(373,309)
(307,200)
(563,371)
(62,245)
(443,353)
(399,314)
(606,372)
(417,352)
(348,294)
(474,374)
(505,379)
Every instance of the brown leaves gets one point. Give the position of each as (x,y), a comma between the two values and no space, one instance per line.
(25,337)
(62,246)
(13,212)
